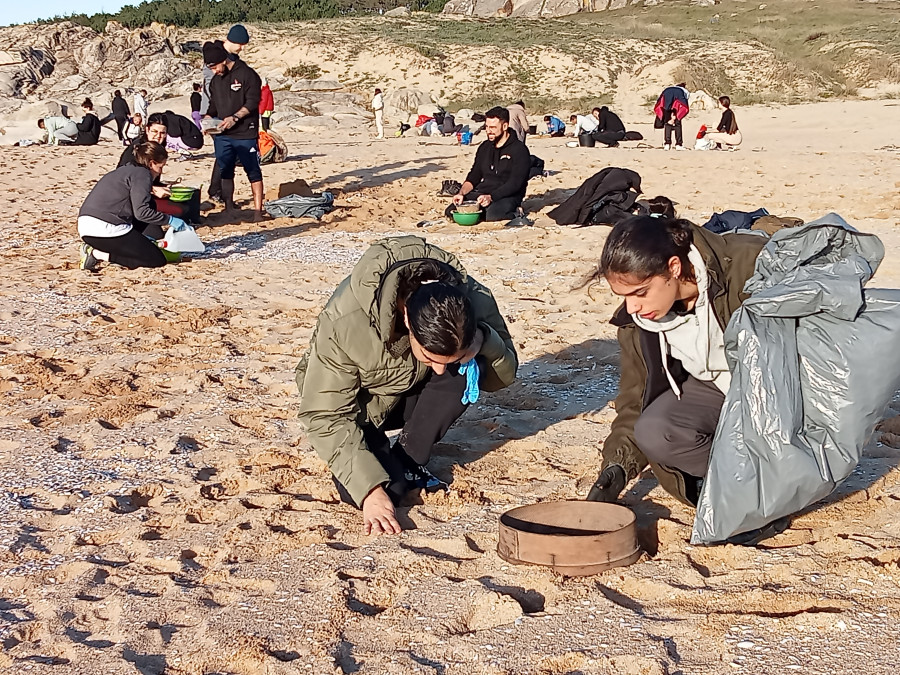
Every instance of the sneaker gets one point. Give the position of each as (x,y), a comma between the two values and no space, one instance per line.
(667,147)
(420,477)
(87,261)
(680,147)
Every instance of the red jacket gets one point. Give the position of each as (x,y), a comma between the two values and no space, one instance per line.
(266,101)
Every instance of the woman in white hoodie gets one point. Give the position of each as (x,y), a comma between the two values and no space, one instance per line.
(680,285)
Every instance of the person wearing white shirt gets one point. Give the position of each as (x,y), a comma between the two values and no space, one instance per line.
(141,104)
(583,124)
(378,107)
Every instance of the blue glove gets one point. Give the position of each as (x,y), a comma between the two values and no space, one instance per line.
(177,224)
(472,372)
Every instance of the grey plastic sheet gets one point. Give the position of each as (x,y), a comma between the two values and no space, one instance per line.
(814,360)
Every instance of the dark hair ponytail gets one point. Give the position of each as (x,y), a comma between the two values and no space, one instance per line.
(440,314)
(641,247)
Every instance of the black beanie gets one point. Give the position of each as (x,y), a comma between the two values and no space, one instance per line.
(214,53)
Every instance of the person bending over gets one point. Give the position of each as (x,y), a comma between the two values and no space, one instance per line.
(499,175)
(680,284)
(555,126)
(405,342)
(118,209)
(60,130)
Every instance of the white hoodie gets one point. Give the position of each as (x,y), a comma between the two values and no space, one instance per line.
(694,339)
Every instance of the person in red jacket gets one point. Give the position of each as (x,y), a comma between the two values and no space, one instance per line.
(266,104)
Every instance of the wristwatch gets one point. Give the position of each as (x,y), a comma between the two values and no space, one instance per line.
(236,118)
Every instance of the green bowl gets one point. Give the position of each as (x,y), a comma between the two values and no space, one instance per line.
(181,194)
(466,218)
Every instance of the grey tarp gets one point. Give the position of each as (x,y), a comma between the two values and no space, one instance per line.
(295,206)
(814,362)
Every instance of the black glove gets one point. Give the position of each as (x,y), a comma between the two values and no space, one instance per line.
(609,485)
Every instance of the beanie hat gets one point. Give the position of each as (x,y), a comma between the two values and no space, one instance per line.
(214,53)
(238,35)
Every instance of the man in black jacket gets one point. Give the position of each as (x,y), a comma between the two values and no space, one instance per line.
(234,94)
(120,113)
(499,174)
(611,130)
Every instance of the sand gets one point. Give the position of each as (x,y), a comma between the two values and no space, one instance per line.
(162,512)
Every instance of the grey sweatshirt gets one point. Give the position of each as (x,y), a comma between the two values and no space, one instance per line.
(123,196)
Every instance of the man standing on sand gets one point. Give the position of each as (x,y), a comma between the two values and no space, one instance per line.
(234,43)
(141,104)
(378,107)
(196,103)
(499,175)
(234,95)
(120,113)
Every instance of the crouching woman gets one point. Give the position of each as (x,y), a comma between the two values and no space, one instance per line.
(680,285)
(405,342)
(119,208)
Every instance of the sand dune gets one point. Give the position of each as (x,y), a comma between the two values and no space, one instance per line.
(162,512)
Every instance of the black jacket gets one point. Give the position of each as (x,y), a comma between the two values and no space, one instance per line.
(611,186)
(122,197)
(196,101)
(88,130)
(239,88)
(501,172)
(609,121)
(179,126)
(120,108)
(727,125)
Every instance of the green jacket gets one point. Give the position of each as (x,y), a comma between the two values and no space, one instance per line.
(358,366)
(730,260)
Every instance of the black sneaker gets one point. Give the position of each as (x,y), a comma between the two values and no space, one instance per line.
(753,537)
(86,260)
(421,478)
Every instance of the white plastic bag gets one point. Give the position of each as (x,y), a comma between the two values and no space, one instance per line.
(183,241)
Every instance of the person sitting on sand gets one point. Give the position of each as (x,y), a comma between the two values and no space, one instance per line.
(157,131)
(610,129)
(60,130)
(680,284)
(727,133)
(118,209)
(405,342)
(89,126)
(583,124)
(499,175)
(555,126)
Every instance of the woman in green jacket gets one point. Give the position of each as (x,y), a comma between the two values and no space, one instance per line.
(405,342)
(680,284)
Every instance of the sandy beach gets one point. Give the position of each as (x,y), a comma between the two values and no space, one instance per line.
(162,512)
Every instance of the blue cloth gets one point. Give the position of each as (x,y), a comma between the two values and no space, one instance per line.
(472,372)
(229,150)
(555,125)
(728,221)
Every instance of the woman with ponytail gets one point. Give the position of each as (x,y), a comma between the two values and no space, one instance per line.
(120,208)
(680,285)
(405,342)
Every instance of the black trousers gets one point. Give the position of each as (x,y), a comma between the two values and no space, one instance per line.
(264,121)
(608,137)
(131,249)
(424,414)
(500,209)
(676,125)
(678,433)
(120,126)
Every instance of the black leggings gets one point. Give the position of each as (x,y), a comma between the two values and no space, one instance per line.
(131,249)
(425,414)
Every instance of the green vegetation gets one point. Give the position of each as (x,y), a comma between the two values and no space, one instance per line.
(305,71)
(208,13)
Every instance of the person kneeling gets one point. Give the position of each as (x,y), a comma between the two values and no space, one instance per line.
(499,175)
(115,213)
(406,342)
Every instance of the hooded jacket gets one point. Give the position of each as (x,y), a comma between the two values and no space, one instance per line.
(501,172)
(605,184)
(730,260)
(358,367)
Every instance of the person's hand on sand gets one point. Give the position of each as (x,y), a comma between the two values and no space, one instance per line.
(160,192)
(379,516)
(459,198)
(484,201)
